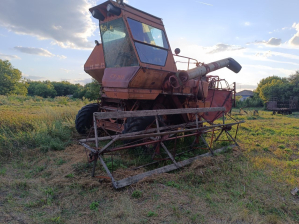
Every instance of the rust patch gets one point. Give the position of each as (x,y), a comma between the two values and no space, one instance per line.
(119,77)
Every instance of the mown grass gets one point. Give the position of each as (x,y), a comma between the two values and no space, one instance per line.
(34,122)
(250,184)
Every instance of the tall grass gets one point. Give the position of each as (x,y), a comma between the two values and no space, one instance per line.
(34,122)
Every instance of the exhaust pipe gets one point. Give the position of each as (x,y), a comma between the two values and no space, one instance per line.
(201,71)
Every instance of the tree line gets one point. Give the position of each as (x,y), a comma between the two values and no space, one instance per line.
(273,87)
(12,82)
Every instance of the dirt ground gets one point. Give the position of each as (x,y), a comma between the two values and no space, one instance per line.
(56,187)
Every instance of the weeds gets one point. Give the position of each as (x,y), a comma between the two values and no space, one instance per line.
(137,194)
(94,205)
(33,122)
(70,175)
(2,171)
(151,214)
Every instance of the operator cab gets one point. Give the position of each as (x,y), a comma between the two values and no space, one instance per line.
(131,37)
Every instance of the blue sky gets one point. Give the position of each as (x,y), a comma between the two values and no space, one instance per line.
(53,39)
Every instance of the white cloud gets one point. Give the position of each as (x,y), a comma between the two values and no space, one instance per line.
(204,3)
(272,42)
(224,47)
(33,77)
(35,51)
(276,71)
(67,23)
(8,57)
(247,23)
(80,81)
(56,27)
(38,51)
(294,41)
(61,56)
(242,86)
(66,70)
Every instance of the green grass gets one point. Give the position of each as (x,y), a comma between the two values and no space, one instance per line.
(94,205)
(35,122)
(137,194)
(250,184)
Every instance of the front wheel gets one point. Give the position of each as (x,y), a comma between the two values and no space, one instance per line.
(84,118)
(134,124)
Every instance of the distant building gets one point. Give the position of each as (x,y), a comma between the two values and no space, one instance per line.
(245,94)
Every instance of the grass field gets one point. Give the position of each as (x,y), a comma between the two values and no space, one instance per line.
(44,176)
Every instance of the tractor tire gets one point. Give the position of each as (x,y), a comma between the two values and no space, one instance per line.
(84,118)
(134,124)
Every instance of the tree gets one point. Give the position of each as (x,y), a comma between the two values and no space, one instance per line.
(279,89)
(254,101)
(21,88)
(274,86)
(9,78)
(266,81)
(90,91)
(294,82)
(43,89)
(65,88)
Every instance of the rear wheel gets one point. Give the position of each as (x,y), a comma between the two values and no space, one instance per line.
(84,118)
(134,124)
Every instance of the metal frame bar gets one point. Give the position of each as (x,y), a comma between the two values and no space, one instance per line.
(156,136)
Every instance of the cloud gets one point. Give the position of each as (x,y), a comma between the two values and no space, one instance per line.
(272,42)
(294,41)
(80,81)
(33,77)
(34,50)
(8,57)
(224,47)
(66,70)
(61,56)
(204,3)
(267,54)
(241,86)
(276,71)
(38,51)
(67,23)
(247,23)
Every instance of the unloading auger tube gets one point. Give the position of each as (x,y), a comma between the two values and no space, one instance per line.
(202,70)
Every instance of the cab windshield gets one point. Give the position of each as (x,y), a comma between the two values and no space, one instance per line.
(150,43)
(117,47)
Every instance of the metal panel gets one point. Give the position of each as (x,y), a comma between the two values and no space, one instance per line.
(95,64)
(119,77)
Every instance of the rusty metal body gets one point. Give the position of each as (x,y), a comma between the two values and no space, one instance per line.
(137,71)
(139,78)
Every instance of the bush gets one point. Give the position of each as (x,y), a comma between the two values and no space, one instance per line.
(254,101)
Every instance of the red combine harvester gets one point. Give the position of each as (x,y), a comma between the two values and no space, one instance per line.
(146,102)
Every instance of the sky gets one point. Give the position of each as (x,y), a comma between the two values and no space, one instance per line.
(51,40)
